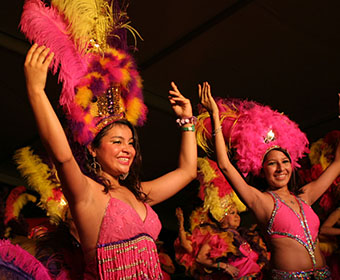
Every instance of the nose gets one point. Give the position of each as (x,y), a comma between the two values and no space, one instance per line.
(279,167)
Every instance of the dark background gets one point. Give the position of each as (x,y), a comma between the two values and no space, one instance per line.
(281,53)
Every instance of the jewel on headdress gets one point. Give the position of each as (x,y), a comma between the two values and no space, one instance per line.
(110,103)
(270,137)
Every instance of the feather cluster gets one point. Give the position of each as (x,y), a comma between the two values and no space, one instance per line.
(251,129)
(17,263)
(114,67)
(89,44)
(321,156)
(42,180)
(15,201)
(215,191)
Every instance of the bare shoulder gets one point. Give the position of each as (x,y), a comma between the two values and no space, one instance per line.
(95,196)
(263,207)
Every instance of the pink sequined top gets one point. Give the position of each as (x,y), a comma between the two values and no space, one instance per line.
(285,222)
(126,246)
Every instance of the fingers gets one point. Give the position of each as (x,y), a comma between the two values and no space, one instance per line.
(30,53)
(39,55)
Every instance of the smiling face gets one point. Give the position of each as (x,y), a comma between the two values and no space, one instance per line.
(116,151)
(277,169)
(231,219)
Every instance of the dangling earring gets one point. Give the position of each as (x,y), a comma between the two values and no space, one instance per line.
(95,166)
(123,176)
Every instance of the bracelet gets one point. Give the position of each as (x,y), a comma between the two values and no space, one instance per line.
(184,121)
(190,128)
(217,130)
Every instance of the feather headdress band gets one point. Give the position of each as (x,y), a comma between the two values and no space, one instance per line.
(251,129)
(100,79)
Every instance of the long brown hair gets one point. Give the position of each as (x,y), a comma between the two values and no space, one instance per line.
(132,181)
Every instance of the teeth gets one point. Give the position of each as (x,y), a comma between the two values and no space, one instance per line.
(124,159)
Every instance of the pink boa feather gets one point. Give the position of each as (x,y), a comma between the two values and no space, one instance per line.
(18,257)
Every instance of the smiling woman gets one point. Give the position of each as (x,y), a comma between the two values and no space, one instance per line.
(102,100)
(284,213)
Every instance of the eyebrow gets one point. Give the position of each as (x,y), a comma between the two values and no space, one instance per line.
(120,137)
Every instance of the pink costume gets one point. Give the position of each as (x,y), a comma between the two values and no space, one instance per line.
(285,222)
(126,246)
(246,262)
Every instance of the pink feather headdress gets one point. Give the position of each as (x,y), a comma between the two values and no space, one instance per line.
(252,129)
(100,79)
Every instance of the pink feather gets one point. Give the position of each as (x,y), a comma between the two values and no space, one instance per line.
(45,26)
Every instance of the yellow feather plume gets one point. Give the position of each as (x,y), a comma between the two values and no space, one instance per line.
(39,178)
(217,205)
(22,200)
(88,20)
(206,170)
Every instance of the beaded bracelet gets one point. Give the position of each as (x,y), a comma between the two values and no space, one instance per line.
(190,128)
(184,121)
(217,130)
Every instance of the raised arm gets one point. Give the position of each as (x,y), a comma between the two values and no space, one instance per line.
(185,243)
(328,227)
(37,61)
(167,185)
(313,190)
(247,193)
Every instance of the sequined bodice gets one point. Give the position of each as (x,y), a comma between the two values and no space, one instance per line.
(126,246)
(121,221)
(286,222)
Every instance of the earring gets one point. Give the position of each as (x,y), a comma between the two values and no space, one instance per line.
(95,166)
(123,176)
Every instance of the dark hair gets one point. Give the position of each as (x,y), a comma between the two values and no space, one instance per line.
(294,184)
(132,181)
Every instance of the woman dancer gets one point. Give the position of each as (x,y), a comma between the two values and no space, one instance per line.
(290,223)
(116,225)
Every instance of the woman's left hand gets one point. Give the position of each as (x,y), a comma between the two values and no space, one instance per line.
(180,104)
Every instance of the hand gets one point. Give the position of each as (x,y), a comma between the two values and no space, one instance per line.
(206,98)
(179,215)
(38,59)
(232,270)
(180,104)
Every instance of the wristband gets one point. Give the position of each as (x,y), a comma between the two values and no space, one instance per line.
(184,121)
(190,128)
(217,130)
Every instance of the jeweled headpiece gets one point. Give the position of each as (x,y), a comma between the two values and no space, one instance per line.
(100,79)
(252,129)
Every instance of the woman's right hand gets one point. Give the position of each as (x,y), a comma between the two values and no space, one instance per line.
(206,98)
(232,270)
(38,59)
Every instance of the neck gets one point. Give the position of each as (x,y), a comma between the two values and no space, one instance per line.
(281,191)
(114,180)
